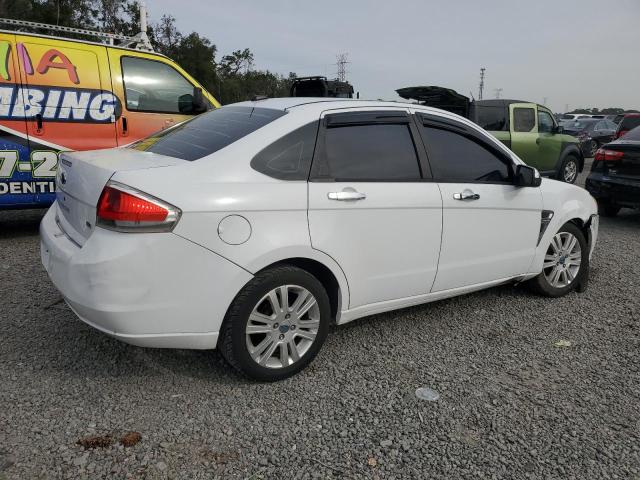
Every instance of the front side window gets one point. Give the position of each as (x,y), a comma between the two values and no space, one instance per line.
(455,158)
(524,119)
(376,152)
(152,86)
(545,122)
(208,133)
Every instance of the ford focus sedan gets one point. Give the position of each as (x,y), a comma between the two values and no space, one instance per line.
(253,227)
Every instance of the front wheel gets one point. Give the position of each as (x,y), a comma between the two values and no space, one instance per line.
(276,324)
(566,263)
(569,169)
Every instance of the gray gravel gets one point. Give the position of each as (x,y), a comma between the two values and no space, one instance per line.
(512,404)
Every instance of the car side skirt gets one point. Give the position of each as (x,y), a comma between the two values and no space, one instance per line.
(380,307)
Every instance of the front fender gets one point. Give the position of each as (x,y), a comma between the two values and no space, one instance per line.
(568,203)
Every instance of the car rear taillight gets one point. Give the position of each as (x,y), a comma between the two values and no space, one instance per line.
(608,155)
(126,209)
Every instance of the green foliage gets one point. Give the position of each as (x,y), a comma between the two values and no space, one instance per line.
(233,79)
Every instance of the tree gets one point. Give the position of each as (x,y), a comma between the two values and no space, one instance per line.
(237,61)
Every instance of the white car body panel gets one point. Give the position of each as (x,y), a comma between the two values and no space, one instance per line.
(487,239)
(173,289)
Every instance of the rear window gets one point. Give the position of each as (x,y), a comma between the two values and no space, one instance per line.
(629,122)
(208,132)
(633,134)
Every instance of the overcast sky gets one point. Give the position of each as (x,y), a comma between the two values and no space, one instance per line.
(580,53)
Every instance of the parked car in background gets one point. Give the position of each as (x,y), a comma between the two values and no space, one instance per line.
(614,180)
(591,132)
(574,116)
(320,87)
(628,122)
(62,94)
(271,220)
(529,129)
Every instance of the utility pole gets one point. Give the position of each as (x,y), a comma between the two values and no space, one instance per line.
(498,92)
(341,62)
(544,101)
(481,83)
(566,107)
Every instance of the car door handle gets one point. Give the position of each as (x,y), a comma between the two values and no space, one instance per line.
(466,195)
(537,141)
(346,195)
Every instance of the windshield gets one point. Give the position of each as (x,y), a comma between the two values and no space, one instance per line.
(208,133)
(578,125)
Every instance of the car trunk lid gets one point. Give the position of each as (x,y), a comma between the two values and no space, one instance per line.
(629,165)
(81,178)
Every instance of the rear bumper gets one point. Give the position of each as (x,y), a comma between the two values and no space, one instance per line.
(618,191)
(153,290)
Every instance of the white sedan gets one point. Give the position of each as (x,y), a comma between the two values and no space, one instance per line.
(253,227)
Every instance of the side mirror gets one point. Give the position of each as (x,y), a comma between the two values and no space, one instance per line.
(193,104)
(527,176)
(557,129)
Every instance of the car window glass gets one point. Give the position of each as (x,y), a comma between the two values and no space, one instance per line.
(491,117)
(545,122)
(371,152)
(629,122)
(288,158)
(208,133)
(152,86)
(524,119)
(456,158)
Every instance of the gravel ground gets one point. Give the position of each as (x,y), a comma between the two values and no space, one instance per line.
(514,403)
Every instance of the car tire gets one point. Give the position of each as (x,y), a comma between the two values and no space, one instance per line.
(608,209)
(592,148)
(270,343)
(560,259)
(569,169)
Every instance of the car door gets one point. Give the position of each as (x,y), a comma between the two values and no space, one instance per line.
(372,206)
(490,227)
(154,94)
(16,186)
(535,149)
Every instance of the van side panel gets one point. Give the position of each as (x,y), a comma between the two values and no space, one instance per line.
(17,190)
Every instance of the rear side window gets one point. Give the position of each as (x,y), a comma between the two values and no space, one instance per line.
(524,119)
(456,158)
(288,158)
(152,86)
(208,133)
(491,117)
(377,152)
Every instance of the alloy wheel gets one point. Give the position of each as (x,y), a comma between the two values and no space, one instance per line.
(282,326)
(562,260)
(593,148)
(570,171)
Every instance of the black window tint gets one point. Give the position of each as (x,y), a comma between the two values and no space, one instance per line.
(152,86)
(545,122)
(491,117)
(371,152)
(288,158)
(524,119)
(456,158)
(208,133)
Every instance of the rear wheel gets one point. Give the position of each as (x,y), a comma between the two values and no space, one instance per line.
(608,209)
(569,169)
(566,262)
(276,325)
(592,148)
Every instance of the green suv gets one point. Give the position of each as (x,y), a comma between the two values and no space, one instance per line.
(528,129)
